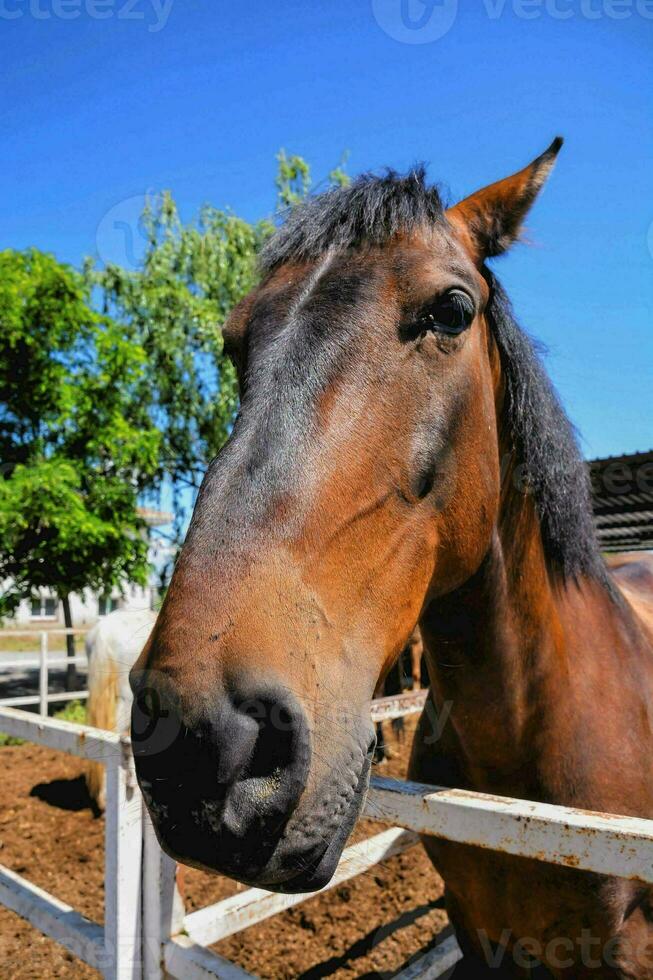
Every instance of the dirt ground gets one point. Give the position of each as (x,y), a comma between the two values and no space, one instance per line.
(368,927)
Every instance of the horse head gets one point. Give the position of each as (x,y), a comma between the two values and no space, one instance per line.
(361,480)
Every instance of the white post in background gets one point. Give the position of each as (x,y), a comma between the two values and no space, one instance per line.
(163,905)
(43,675)
(123,870)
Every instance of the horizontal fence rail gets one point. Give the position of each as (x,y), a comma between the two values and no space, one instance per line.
(144,910)
(81,740)
(398,705)
(185,960)
(215,922)
(83,938)
(24,700)
(43,699)
(600,842)
(50,631)
(115,950)
(80,660)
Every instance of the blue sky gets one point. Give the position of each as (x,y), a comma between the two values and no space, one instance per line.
(199,96)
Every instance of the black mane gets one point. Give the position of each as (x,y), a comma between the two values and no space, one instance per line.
(543,440)
(545,447)
(371,209)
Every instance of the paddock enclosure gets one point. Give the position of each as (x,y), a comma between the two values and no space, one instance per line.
(147,932)
(132,922)
(41,664)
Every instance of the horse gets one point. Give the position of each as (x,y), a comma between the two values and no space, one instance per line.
(405,672)
(401,456)
(112,647)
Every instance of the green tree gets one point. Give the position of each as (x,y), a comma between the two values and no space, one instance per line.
(294,181)
(77,444)
(173,306)
(99,408)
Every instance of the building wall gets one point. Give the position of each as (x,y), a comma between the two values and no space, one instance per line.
(85,608)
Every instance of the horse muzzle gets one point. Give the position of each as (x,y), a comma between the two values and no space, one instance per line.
(225,784)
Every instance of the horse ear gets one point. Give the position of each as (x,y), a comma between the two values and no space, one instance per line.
(493,216)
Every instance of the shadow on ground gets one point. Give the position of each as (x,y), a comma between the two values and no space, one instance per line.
(363,946)
(66,794)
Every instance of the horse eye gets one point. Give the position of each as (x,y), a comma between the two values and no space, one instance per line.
(450,313)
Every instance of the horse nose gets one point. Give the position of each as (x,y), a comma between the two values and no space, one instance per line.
(222,778)
(262,750)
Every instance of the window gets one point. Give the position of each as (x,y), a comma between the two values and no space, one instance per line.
(106,605)
(44,607)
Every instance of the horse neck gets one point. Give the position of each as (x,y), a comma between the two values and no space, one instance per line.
(497,651)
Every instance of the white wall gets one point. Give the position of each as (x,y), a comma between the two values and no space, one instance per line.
(84,608)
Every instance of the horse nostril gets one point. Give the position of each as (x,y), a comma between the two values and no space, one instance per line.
(223,774)
(267,787)
(274,748)
(281,742)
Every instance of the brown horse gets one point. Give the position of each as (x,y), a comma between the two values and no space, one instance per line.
(407,670)
(399,456)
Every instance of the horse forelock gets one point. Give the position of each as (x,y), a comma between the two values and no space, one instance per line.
(372,209)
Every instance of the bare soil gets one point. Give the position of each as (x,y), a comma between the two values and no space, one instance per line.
(368,927)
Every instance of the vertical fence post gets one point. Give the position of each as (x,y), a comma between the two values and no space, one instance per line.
(163,905)
(123,870)
(43,674)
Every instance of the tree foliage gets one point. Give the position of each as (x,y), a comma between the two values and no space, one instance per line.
(76,442)
(294,181)
(174,305)
(97,408)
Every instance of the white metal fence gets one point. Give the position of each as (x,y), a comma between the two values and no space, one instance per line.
(114,950)
(42,664)
(147,934)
